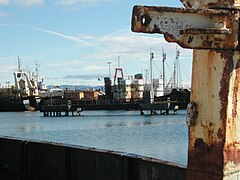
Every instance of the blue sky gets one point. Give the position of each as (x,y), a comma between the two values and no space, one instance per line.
(74,39)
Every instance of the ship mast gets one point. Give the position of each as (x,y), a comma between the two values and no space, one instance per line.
(163,63)
(151,73)
(176,70)
(37,65)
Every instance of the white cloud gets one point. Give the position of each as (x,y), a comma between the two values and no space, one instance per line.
(81,3)
(22,2)
(30,2)
(8,65)
(133,46)
(68,37)
(82,40)
(2,14)
(68,62)
(6,25)
(94,67)
(4,2)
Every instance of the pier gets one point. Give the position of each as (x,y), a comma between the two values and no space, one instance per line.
(65,107)
(162,107)
(56,107)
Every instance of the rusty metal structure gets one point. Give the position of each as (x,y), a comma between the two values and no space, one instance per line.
(211,28)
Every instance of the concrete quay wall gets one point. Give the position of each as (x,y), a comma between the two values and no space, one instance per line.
(36,160)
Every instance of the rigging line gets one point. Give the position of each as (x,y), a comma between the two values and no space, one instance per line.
(170,82)
(169,69)
(185,72)
(160,72)
(180,78)
(167,63)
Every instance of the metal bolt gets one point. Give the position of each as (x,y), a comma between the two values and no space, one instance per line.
(191,114)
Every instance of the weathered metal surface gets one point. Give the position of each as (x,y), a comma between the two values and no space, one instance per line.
(196,29)
(214,147)
(206,138)
(232,143)
(200,4)
(214,129)
(142,168)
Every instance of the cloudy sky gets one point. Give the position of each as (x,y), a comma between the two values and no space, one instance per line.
(74,39)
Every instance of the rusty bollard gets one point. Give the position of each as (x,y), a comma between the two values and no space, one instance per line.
(211,28)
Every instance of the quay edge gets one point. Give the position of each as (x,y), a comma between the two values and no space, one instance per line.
(27,159)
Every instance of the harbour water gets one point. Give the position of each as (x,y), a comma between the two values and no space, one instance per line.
(158,136)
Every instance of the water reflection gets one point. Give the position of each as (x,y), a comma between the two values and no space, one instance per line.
(29,128)
(142,122)
(112,124)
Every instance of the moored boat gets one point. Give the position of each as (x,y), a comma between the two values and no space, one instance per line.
(22,96)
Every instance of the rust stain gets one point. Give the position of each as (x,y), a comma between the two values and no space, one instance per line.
(214,37)
(227,57)
(220,134)
(190,39)
(186,4)
(233,24)
(207,42)
(232,153)
(209,4)
(222,3)
(235,90)
(206,157)
(169,37)
(135,18)
(195,175)
(156,28)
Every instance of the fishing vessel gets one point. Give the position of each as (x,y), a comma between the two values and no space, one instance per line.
(22,96)
(173,90)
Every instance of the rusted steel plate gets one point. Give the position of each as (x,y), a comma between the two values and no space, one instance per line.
(195,29)
(206,137)
(195,4)
(214,140)
(232,144)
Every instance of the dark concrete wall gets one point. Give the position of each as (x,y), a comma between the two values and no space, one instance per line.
(33,160)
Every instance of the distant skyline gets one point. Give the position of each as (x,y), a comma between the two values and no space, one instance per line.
(73,40)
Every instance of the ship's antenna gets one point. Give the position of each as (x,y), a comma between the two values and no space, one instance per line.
(146,76)
(19,64)
(119,65)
